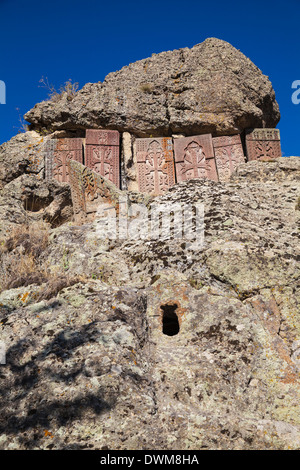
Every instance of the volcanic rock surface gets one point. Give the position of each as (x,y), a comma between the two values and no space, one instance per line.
(210,88)
(155,343)
(91,363)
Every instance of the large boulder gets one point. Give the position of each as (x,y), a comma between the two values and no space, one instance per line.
(25,196)
(26,200)
(22,154)
(211,87)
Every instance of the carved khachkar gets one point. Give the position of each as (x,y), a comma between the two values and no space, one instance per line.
(194,157)
(49,148)
(155,163)
(102,153)
(57,154)
(263,144)
(89,189)
(77,191)
(228,154)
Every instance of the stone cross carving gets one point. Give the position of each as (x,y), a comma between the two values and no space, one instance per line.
(194,157)
(89,189)
(229,154)
(155,164)
(57,154)
(263,144)
(102,153)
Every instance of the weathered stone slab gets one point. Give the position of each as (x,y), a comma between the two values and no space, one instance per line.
(103,153)
(155,164)
(49,148)
(89,189)
(194,157)
(229,154)
(263,144)
(57,154)
(102,137)
(66,149)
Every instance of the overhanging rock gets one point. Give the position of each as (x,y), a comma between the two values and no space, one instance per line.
(210,88)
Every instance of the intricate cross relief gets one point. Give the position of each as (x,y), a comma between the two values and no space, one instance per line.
(264,150)
(194,165)
(155,165)
(60,172)
(103,161)
(89,185)
(229,154)
(263,144)
(194,157)
(57,154)
(102,153)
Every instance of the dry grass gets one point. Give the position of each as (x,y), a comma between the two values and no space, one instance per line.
(146,87)
(22,263)
(23,127)
(267,160)
(20,256)
(32,238)
(69,89)
(55,283)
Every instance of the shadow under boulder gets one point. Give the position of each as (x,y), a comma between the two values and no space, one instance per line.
(27,199)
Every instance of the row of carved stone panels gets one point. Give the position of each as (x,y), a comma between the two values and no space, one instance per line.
(101,155)
(161,161)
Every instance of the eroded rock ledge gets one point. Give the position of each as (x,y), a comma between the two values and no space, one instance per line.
(210,88)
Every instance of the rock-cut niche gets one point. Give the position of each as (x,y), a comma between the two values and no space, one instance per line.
(170,322)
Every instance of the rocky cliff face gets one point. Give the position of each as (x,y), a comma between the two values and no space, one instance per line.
(89,363)
(155,343)
(210,88)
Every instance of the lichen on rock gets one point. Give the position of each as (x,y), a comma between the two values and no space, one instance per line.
(210,88)
(91,363)
(152,342)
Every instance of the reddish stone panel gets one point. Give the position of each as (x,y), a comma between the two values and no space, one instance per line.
(66,149)
(228,154)
(194,157)
(103,153)
(57,154)
(226,140)
(102,137)
(155,164)
(263,144)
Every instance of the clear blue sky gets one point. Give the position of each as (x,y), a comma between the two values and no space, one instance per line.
(85,40)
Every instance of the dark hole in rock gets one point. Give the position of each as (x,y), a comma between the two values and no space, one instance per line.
(170,320)
(35,203)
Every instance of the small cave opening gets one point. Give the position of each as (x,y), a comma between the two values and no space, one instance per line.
(34,203)
(170,322)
